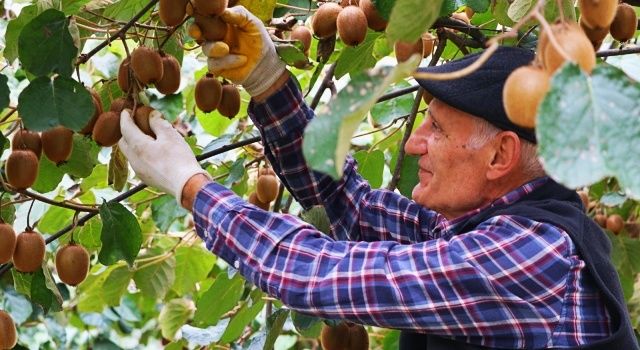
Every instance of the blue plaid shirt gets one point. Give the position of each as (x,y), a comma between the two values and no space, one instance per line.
(510,283)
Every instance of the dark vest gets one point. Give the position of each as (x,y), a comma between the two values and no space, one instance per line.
(554,204)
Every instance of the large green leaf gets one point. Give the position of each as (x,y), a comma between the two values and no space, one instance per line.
(22,281)
(49,102)
(45,292)
(89,234)
(49,176)
(247,313)
(221,297)
(384,7)
(13,31)
(83,157)
(54,219)
(192,265)
(121,235)
(45,45)
(308,326)
(174,315)
(165,210)
(410,18)
(371,166)
(4,92)
(356,59)
(408,173)
(328,137)
(155,279)
(262,9)
(124,10)
(71,7)
(625,257)
(385,112)
(274,327)
(103,287)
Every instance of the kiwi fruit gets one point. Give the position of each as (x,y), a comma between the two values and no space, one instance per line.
(345,3)
(195,32)
(27,140)
(253,199)
(405,50)
(97,105)
(57,144)
(123,75)
(172,12)
(469,12)
(7,242)
(428,43)
(358,337)
(22,169)
(208,93)
(335,337)
(72,264)
(170,81)
(597,14)
(29,253)
(615,223)
(324,21)
(210,7)
(523,91)
(601,220)
(352,25)
(141,118)
(302,34)
(230,101)
(575,44)
(8,333)
(146,65)
(267,188)
(107,132)
(121,103)
(266,171)
(596,36)
(624,23)
(213,28)
(374,20)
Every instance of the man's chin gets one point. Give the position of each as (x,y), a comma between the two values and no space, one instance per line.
(418,194)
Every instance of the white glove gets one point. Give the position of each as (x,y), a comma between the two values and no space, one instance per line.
(166,162)
(252,60)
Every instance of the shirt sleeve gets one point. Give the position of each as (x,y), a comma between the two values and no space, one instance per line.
(356,212)
(500,285)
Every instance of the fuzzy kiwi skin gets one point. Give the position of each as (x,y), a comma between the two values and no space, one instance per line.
(121,103)
(97,104)
(405,50)
(358,337)
(57,144)
(123,74)
(141,118)
(230,101)
(624,23)
(573,41)
(7,242)
(8,334)
(29,253)
(212,28)
(324,21)
(335,338)
(107,132)
(146,65)
(374,20)
(253,199)
(210,7)
(523,91)
(72,264)
(172,12)
(352,25)
(597,14)
(27,140)
(22,169)
(267,188)
(170,81)
(208,93)
(303,34)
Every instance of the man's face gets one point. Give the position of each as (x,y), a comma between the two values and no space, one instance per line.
(451,171)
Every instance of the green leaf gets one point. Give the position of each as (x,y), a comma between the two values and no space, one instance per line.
(165,210)
(155,279)
(317,216)
(174,315)
(49,176)
(518,9)
(71,7)
(262,9)
(307,326)
(221,297)
(236,172)
(247,313)
(408,173)
(47,103)
(625,259)
(479,6)
(385,112)
(83,157)
(14,28)
(54,219)
(44,291)
(371,166)
(4,92)
(121,235)
(89,234)
(391,341)
(274,327)
(45,45)
(356,59)
(384,7)
(327,151)
(22,282)
(104,286)
(125,10)
(97,179)
(8,212)
(170,105)
(292,53)
(204,337)
(118,169)
(410,18)
(192,266)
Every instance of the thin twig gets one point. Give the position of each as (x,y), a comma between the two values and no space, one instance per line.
(67,205)
(323,86)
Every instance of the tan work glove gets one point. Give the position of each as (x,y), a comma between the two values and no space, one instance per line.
(165,162)
(252,60)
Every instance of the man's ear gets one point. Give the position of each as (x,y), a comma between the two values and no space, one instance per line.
(506,156)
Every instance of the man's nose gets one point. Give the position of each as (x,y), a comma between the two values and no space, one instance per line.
(417,142)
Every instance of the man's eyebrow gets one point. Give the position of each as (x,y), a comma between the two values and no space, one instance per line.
(432,116)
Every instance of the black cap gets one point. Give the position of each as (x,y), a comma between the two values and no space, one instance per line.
(480,93)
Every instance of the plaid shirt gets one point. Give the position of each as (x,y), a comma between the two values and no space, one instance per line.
(510,283)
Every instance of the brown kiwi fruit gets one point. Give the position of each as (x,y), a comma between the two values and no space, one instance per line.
(230,101)
(213,27)
(428,43)
(625,23)
(7,242)
(253,199)
(345,3)
(523,91)
(8,333)
(72,264)
(172,12)
(107,132)
(352,25)
(208,93)
(210,7)
(335,337)
(57,144)
(123,75)
(27,140)
(405,50)
(266,171)
(596,36)
(141,118)
(324,23)
(374,20)
(121,103)
(358,337)
(29,253)
(597,14)
(267,188)
(170,81)
(97,105)
(302,34)
(573,41)
(615,223)
(195,32)
(601,220)
(22,169)
(146,65)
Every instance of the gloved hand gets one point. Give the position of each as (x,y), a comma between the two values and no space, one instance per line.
(166,162)
(252,60)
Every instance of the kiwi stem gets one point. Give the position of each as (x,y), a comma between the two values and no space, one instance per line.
(116,22)
(171,32)
(9,114)
(29,228)
(552,38)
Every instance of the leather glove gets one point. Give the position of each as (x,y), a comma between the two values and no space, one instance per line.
(252,60)
(165,162)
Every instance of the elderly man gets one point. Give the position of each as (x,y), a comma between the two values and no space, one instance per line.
(490,253)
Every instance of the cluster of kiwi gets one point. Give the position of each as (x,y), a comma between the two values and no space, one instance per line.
(147,66)
(266,189)
(349,19)
(614,222)
(344,336)
(210,95)
(423,46)
(601,17)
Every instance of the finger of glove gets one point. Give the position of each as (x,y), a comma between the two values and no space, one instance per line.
(217,65)
(241,17)
(215,49)
(130,131)
(160,126)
